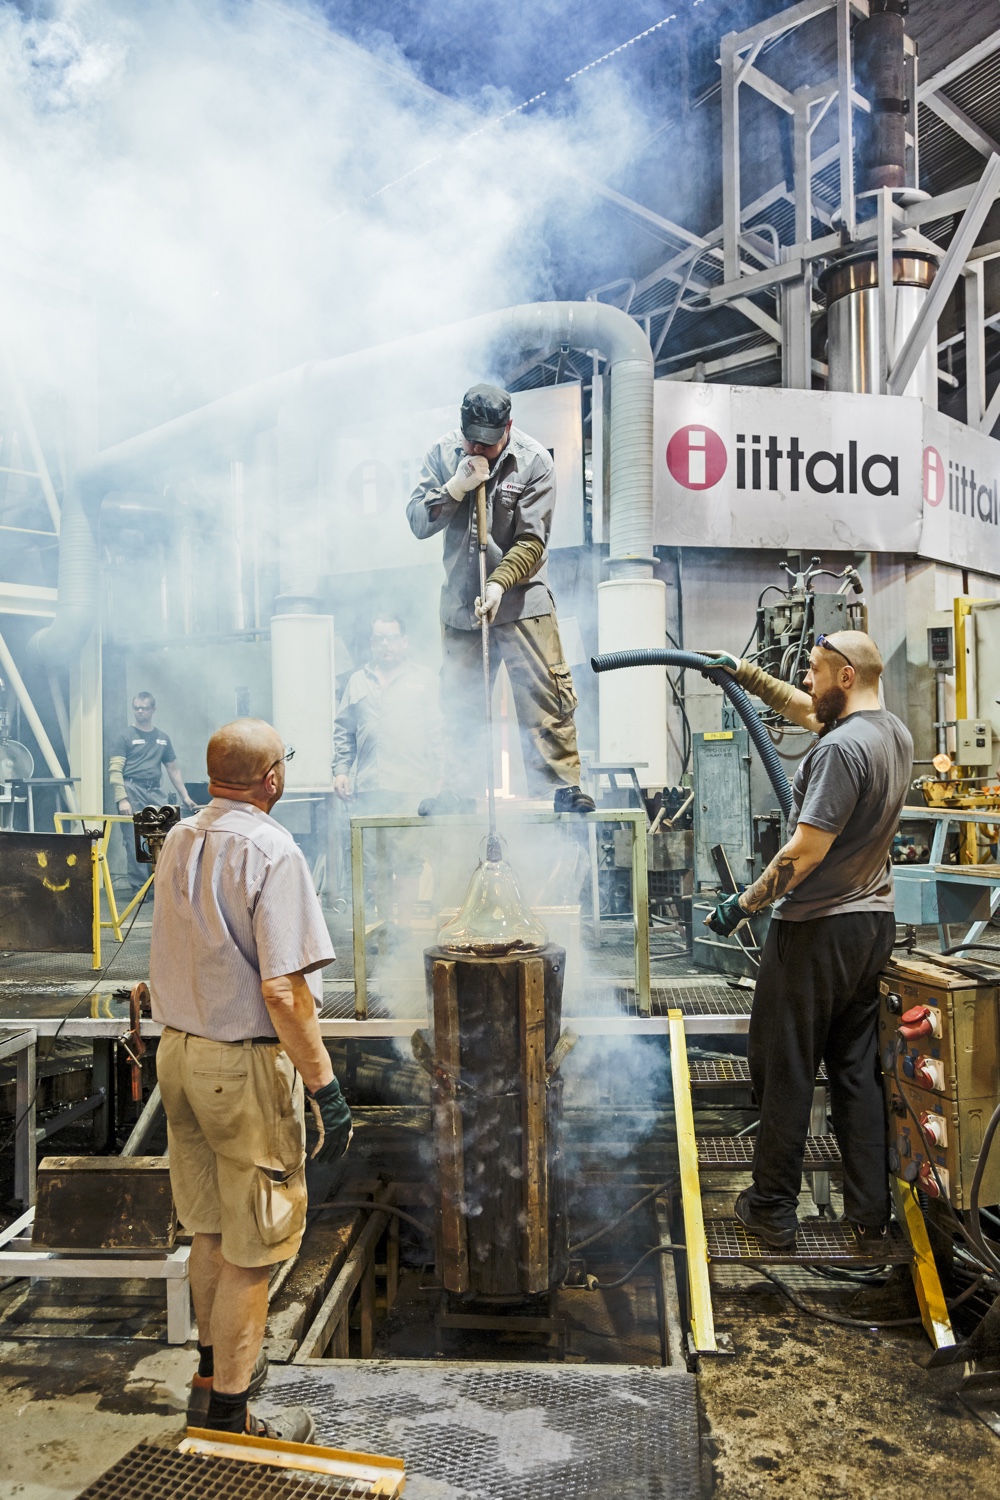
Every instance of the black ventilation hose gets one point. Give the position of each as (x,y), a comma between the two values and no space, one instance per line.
(649,656)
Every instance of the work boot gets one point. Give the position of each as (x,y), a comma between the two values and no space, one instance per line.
(870,1236)
(774,1235)
(201,1391)
(293,1424)
(570,799)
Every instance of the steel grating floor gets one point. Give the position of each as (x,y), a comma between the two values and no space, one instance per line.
(735,1152)
(700,1000)
(817,1240)
(149,1472)
(727,1072)
(503,1432)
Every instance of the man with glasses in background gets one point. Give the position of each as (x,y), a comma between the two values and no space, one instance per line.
(238,946)
(388,748)
(832,931)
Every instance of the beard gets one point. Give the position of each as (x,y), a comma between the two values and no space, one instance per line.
(829,706)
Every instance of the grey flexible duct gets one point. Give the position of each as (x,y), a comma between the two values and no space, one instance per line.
(613,661)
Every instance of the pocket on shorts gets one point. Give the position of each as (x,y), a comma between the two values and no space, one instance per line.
(565,692)
(279,1203)
(218,1098)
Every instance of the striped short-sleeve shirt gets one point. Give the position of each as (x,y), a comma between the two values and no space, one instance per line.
(235,905)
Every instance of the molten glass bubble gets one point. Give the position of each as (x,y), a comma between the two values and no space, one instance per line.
(494,917)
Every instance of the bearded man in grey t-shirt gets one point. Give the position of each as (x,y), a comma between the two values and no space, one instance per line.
(831,933)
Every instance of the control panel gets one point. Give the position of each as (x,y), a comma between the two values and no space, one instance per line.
(939,1046)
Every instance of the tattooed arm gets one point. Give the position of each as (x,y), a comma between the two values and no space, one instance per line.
(807,848)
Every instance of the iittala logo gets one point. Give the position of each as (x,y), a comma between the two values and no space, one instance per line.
(966,491)
(697,458)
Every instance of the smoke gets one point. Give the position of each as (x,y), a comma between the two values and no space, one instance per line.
(210,174)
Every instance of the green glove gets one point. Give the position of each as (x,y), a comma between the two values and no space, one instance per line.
(333,1122)
(727,916)
(724,659)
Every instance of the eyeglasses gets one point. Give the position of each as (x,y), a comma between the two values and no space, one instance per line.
(288,755)
(827,644)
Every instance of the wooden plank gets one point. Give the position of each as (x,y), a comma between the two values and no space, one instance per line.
(368,1309)
(454,1254)
(331,1320)
(392,1264)
(534,1157)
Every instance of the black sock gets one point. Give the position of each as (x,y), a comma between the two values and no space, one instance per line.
(206,1360)
(227,1413)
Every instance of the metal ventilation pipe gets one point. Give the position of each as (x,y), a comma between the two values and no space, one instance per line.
(851,290)
(880,74)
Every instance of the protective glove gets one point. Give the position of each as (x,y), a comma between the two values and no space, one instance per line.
(724,659)
(333,1122)
(489,606)
(727,916)
(470,474)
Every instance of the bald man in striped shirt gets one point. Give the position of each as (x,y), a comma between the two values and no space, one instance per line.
(239,942)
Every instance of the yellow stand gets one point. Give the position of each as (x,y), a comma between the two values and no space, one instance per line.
(102,873)
(699,1286)
(926,1282)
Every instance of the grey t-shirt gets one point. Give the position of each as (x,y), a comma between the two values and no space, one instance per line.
(853,783)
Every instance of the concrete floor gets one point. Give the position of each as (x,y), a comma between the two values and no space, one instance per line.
(802,1408)
(818,1412)
(70,1409)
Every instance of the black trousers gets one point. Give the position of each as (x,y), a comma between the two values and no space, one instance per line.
(816,1001)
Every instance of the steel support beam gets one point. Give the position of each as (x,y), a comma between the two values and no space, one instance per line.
(886,288)
(991,416)
(9,667)
(962,125)
(964,238)
(958,66)
(845,109)
(730,159)
(975,344)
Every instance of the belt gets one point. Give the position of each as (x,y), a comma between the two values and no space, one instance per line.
(249,1041)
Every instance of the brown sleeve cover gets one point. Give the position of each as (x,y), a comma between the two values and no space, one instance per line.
(770,690)
(516,564)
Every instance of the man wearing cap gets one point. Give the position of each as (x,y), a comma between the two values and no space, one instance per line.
(520,497)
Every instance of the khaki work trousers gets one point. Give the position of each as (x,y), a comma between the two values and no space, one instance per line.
(544,699)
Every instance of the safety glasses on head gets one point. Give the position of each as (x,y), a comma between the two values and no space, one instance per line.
(827,645)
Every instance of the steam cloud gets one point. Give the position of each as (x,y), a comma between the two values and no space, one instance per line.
(207,172)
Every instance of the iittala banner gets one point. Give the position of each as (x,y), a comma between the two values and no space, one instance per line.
(751,466)
(961,495)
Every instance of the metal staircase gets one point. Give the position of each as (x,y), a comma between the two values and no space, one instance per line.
(723,1241)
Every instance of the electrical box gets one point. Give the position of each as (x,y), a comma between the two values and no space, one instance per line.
(722,804)
(974,742)
(939,1045)
(941,647)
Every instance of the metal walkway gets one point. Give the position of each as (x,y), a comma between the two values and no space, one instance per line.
(510,1431)
(724,1241)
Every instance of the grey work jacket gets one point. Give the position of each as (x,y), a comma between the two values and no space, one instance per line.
(390,733)
(520,499)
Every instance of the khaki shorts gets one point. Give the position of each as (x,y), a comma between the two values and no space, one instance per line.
(236,1135)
